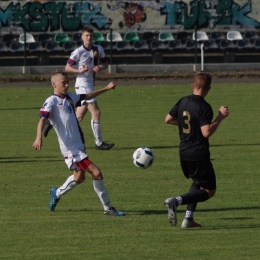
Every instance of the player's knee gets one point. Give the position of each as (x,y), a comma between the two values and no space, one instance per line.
(98,175)
(79,179)
(80,117)
(94,172)
(79,176)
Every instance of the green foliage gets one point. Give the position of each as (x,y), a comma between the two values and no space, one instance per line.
(132,116)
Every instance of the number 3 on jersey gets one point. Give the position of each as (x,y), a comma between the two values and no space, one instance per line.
(186,117)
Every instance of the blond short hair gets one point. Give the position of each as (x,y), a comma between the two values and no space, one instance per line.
(59,72)
(202,80)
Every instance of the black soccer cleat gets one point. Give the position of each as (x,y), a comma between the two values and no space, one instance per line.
(113,212)
(104,146)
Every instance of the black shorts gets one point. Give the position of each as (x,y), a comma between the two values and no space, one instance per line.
(201,172)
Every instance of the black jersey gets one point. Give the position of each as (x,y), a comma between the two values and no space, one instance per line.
(192,113)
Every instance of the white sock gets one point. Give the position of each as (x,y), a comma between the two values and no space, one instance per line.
(189,214)
(68,185)
(96,128)
(101,191)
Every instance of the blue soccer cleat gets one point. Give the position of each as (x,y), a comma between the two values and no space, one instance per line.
(54,200)
(113,212)
(120,213)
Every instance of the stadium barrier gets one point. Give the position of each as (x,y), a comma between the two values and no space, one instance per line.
(113,69)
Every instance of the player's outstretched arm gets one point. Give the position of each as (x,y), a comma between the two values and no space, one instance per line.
(96,93)
(38,141)
(208,130)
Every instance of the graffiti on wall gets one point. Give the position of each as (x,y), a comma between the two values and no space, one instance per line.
(208,13)
(46,15)
(36,16)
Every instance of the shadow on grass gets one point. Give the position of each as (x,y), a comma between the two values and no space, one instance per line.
(130,212)
(162,212)
(237,218)
(118,148)
(220,145)
(227,226)
(79,210)
(22,157)
(212,145)
(228,209)
(20,108)
(29,159)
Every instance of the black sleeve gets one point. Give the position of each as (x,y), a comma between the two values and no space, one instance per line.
(174,111)
(206,115)
(81,97)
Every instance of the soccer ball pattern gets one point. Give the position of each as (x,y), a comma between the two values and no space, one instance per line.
(143,157)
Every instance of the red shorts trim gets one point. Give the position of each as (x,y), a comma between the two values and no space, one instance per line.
(84,164)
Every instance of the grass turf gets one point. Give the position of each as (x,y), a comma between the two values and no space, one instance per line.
(132,116)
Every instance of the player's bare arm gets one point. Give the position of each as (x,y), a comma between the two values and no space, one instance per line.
(171,120)
(38,141)
(208,130)
(71,69)
(102,66)
(96,93)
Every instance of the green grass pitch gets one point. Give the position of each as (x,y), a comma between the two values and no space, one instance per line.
(132,116)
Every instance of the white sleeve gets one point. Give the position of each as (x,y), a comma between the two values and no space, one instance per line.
(46,108)
(74,57)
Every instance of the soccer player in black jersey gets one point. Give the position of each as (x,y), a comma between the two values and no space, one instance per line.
(194,115)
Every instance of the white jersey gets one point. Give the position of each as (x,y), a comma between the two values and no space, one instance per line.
(82,56)
(61,114)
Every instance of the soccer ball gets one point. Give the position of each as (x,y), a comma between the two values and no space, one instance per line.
(143,157)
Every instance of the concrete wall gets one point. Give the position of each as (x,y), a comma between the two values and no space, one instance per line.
(139,68)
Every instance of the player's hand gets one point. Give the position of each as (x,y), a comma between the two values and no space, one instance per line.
(223,111)
(96,69)
(111,85)
(37,145)
(83,69)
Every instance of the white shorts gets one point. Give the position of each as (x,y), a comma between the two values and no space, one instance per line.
(72,159)
(83,88)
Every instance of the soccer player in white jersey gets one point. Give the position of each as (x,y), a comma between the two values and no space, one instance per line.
(86,61)
(59,110)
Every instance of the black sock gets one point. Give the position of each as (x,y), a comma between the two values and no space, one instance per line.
(194,197)
(194,186)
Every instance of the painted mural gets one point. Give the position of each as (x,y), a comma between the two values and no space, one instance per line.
(47,15)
